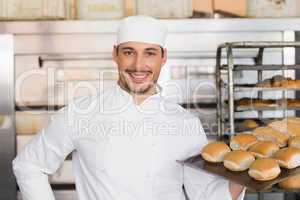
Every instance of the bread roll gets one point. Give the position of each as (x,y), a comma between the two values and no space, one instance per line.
(289,126)
(265,83)
(278,80)
(215,151)
(238,160)
(293,119)
(297,83)
(288,157)
(242,141)
(291,183)
(250,102)
(294,142)
(250,123)
(264,169)
(293,103)
(258,103)
(290,84)
(269,134)
(264,149)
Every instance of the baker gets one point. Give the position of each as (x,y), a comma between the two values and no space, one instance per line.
(126,139)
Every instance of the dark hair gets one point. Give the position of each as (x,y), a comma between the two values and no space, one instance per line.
(162,51)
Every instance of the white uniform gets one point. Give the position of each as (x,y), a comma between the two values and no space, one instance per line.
(121,151)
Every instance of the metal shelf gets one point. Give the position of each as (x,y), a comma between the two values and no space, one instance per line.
(238,88)
(261,67)
(275,107)
(230,49)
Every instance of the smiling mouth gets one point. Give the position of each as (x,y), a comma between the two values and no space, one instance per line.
(139,77)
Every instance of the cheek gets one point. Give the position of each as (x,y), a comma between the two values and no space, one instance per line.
(123,63)
(155,66)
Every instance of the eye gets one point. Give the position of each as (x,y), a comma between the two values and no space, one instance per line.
(150,53)
(128,53)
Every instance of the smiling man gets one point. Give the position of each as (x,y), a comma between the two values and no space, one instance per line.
(125,140)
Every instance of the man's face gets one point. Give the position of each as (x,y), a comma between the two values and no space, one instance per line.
(139,65)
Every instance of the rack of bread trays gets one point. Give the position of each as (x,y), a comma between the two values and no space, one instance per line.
(262,153)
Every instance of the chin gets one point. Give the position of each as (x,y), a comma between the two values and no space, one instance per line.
(140,89)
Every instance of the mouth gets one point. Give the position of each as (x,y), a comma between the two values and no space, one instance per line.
(139,77)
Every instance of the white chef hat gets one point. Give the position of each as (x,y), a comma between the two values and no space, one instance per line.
(141,28)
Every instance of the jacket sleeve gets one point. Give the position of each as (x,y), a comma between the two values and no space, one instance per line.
(42,156)
(200,185)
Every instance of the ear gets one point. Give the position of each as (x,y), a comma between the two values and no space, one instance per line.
(115,54)
(165,57)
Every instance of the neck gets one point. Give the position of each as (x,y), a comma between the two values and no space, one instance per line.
(140,98)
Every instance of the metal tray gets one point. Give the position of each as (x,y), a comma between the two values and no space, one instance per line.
(242,178)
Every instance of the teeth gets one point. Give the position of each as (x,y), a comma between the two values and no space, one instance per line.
(139,75)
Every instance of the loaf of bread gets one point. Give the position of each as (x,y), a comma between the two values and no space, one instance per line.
(269,134)
(238,160)
(264,149)
(288,157)
(215,151)
(264,169)
(242,141)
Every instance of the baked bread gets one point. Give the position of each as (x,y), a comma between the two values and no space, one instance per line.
(269,134)
(265,83)
(250,123)
(290,103)
(294,142)
(257,103)
(290,84)
(264,169)
(291,183)
(280,81)
(293,119)
(238,160)
(297,83)
(261,103)
(288,157)
(215,151)
(289,126)
(242,141)
(264,149)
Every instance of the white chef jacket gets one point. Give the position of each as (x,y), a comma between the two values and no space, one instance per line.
(120,151)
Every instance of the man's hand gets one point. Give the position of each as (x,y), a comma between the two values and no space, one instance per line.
(235,190)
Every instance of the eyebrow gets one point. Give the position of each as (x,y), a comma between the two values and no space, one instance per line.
(151,49)
(147,49)
(127,48)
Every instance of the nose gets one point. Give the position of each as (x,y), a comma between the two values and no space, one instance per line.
(139,62)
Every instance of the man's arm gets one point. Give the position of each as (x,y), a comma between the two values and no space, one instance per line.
(42,156)
(236,190)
